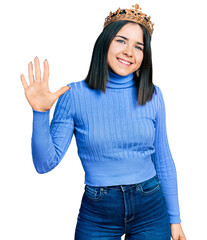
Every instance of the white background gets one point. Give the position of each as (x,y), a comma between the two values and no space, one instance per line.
(46,206)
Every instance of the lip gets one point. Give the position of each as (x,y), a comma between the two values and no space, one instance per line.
(125,61)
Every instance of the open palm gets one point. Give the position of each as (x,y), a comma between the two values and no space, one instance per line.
(37,93)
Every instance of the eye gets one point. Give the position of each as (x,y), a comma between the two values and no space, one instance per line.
(120,41)
(139,48)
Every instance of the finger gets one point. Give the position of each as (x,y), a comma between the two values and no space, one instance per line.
(30,73)
(46,71)
(37,70)
(61,91)
(24,82)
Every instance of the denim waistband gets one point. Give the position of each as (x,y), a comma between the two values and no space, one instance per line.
(125,187)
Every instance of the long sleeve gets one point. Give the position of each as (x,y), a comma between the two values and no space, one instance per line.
(164,164)
(50,142)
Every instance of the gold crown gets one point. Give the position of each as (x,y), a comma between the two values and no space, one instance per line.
(134,15)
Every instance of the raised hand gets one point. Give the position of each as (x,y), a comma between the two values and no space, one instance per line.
(37,93)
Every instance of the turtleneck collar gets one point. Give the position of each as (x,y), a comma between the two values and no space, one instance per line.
(119,82)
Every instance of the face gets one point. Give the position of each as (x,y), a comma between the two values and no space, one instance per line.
(125,52)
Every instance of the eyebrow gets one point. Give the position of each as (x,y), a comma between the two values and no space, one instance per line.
(128,39)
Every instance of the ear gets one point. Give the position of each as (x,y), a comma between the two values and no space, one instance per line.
(137,72)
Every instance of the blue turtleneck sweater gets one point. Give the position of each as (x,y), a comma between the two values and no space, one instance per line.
(118,141)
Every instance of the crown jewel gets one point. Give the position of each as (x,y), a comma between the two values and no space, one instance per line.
(134,15)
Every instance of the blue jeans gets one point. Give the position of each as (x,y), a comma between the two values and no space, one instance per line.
(137,210)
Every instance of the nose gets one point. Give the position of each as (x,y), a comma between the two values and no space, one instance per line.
(128,51)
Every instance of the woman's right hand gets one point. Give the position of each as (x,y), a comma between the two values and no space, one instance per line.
(37,93)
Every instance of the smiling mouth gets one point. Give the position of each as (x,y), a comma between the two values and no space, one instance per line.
(124,62)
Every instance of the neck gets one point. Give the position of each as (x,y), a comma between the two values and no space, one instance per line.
(119,82)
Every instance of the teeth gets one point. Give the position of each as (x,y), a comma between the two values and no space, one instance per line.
(124,61)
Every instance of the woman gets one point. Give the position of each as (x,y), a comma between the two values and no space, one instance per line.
(117,115)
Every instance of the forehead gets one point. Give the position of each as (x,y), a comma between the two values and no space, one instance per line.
(132,31)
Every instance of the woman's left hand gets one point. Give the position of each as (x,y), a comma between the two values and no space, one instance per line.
(177,232)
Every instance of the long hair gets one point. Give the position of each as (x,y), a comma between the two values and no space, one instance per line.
(98,70)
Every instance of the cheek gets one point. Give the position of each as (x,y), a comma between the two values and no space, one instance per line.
(139,58)
(111,55)
(113,50)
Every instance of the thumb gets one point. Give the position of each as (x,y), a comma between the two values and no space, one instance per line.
(61,91)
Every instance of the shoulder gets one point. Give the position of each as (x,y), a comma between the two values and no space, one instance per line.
(158,96)
(158,92)
(81,88)
(160,99)
(157,89)
(76,84)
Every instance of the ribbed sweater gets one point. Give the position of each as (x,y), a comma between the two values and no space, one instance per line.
(119,142)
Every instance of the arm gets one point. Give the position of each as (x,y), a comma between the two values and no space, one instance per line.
(50,142)
(164,164)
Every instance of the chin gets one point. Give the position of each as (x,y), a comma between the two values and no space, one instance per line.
(123,73)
